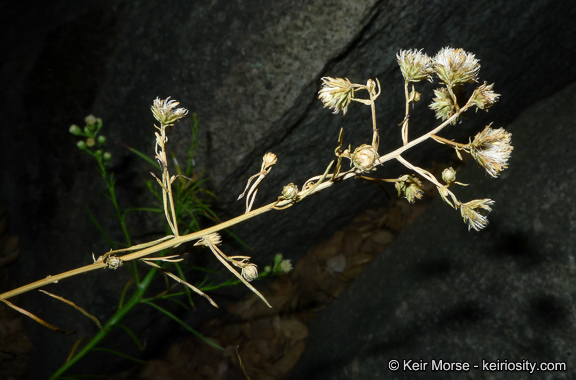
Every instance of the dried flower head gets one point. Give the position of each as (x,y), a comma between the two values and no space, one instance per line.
(415,65)
(165,111)
(409,187)
(491,149)
(474,213)
(442,104)
(268,160)
(212,239)
(455,66)
(250,271)
(364,158)
(113,262)
(336,94)
(484,97)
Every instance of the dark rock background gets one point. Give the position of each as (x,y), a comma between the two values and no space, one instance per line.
(251,71)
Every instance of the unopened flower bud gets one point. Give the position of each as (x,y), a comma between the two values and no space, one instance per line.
(90,120)
(107,157)
(290,191)
(364,158)
(90,142)
(449,175)
(101,140)
(75,130)
(250,272)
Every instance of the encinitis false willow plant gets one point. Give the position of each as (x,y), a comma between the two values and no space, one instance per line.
(454,68)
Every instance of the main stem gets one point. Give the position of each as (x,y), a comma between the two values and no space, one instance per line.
(139,254)
(177,240)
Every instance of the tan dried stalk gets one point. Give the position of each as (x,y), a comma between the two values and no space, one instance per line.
(491,148)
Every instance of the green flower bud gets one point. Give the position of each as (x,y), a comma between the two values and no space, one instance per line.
(101,140)
(107,156)
(90,120)
(81,145)
(90,142)
(75,130)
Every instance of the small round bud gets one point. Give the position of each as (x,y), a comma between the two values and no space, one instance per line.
(90,142)
(75,130)
(81,145)
(101,140)
(290,191)
(107,156)
(449,175)
(90,120)
(364,158)
(250,272)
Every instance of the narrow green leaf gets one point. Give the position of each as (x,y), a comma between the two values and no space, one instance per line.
(181,322)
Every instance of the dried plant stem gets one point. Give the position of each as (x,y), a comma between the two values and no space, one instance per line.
(406,115)
(177,240)
(399,151)
(170,216)
(454,144)
(424,173)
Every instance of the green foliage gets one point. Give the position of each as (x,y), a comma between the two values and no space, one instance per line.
(192,203)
